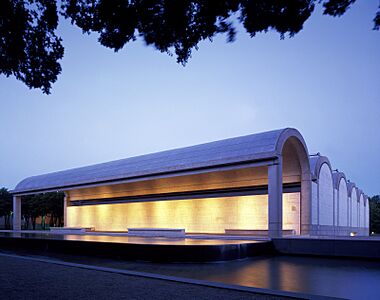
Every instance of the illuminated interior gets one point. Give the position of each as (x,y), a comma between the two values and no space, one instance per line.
(206,215)
(196,215)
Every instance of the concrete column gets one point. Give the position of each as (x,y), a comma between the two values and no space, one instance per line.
(306,204)
(365,218)
(334,217)
(16,213)
(318,212)
(65,203)
(337,208)
(350,211)
(275,199)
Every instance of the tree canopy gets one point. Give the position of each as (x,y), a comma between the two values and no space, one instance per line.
(6,206)
(33,206)
(43,205)
(30,47)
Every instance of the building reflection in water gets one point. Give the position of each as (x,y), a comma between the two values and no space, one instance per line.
(352,279)
(321,276)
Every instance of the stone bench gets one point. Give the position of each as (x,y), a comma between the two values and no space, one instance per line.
(157,232)
(69,230)
(256,232)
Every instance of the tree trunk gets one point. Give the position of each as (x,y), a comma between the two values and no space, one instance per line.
(5,222)
(34,223)
(51,221)
(43,222)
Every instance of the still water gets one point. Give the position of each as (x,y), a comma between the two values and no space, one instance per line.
(352,279)
(345,278)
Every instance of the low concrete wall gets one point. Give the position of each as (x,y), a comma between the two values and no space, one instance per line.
(338,247)
(157,232)
(339,231)
(145,249)
(323,230)
(71,230)
(254,232)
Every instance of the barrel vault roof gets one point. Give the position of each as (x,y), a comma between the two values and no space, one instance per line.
(242,149)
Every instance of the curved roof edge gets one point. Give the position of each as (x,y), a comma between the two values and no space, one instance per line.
(286,134)
(239,150)
(337,176)
(361,194)
(357,194)
(350,187)
(316,162)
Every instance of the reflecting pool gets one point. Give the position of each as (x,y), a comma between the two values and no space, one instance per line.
(352,279)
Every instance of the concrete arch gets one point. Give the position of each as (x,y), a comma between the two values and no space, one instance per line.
(340,186)
(292,149)
(323,210)
(361,210)
(316,163)
(325,195)
(353,195)
(337,176)
(350,188)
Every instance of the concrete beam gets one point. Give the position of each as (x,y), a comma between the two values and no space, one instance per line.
(306,199)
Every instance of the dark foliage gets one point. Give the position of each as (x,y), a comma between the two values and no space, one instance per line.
(377,20)
(43,205)
(30,49)
(374,214)
(6,207)
(337,7)
(33,207)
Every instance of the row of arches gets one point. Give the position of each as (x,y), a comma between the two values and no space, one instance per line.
(339,207)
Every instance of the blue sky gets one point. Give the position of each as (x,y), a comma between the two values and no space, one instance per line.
(106,105)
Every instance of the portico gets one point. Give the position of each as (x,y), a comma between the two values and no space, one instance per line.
(255,182)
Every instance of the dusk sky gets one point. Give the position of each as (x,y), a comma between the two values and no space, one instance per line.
(105,106)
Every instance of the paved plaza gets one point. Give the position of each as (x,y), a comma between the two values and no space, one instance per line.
(26,279)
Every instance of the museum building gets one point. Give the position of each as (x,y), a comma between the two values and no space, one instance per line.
(259,184)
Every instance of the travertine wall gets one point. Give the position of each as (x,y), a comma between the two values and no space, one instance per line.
(326,196)
(338,206)
(342,203)
(361,212)
(336,210)
(291,211)
(211,215)
(349,209)
(354,208)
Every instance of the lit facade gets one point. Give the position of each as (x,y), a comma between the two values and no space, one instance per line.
(262,182)
(205,215)
(336,202)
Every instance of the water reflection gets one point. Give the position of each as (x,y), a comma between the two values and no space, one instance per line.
(352,279)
